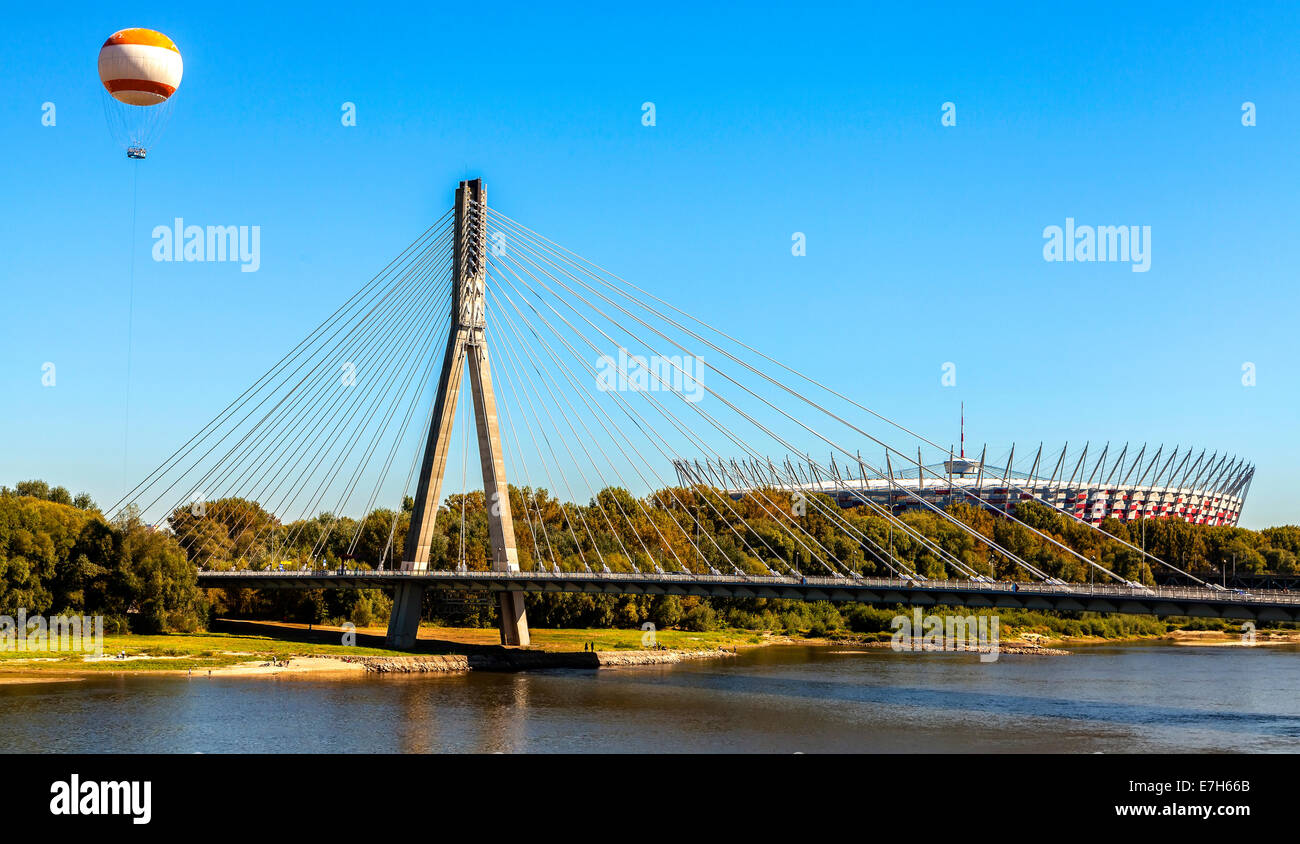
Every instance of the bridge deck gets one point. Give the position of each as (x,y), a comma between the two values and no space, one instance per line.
(1185,601)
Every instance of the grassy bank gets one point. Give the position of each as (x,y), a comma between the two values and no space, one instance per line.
(266,641)
(177,652)
(242,643)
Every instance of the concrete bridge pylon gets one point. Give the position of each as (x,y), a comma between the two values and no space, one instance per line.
(466,345)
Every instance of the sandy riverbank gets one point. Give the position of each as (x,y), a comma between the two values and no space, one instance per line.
(1020,648)
(337,667)
(299,665)
(295,666)
(283,650)
(269,649)
(1233,639)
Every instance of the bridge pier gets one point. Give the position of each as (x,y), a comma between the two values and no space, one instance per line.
(404,621)
(513,621)
(408,602)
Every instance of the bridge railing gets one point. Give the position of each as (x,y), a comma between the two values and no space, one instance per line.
(1086,590)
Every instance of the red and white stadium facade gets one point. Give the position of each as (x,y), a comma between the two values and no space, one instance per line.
(1169,485)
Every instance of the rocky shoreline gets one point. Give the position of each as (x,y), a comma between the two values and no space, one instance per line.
(519,660)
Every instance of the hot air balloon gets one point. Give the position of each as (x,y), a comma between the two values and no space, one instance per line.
(141,70)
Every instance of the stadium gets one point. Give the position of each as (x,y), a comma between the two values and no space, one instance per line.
(1176,484)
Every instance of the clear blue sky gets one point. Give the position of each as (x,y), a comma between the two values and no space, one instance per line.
(924,242)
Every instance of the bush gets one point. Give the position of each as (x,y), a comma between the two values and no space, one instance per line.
(700,618)
(666,612)
(862,618)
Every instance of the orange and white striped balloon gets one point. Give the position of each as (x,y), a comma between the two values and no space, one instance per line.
(140,67)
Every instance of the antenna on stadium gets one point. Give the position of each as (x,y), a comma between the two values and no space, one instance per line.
(959,465)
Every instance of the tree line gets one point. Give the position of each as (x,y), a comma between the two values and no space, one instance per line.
(58,553)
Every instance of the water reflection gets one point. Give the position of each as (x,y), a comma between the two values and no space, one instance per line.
(786,699)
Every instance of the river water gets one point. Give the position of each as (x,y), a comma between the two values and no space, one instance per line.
(785,699)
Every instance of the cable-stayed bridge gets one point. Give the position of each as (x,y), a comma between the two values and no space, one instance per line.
(588,395)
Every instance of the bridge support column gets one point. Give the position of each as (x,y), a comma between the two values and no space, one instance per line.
(514,623)
(466,345)
(404,622)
